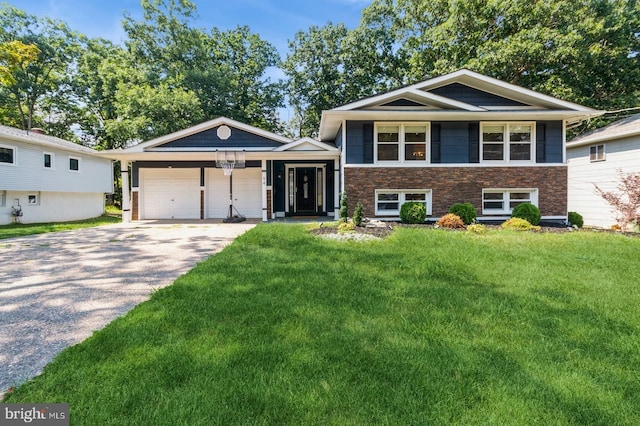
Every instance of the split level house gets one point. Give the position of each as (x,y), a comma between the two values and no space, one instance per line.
(48,179)
(461,137)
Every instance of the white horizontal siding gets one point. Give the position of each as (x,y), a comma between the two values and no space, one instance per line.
(29,174)
(583,175)
(53,206)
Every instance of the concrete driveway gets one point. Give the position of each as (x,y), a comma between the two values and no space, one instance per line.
(56,289)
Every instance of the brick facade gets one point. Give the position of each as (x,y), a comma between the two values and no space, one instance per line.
(269,204)
(135,215)
(451,185)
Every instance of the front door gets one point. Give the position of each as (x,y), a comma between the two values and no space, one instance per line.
(306,190)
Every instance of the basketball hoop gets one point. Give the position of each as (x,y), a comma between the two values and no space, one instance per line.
(227,161)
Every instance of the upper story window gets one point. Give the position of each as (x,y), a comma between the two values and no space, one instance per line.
(48,160)
(401,142)
(506,142)
(7,155)
(74,164)
(596,153)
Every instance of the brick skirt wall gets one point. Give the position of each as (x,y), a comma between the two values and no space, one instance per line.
(135,213)
(451,185)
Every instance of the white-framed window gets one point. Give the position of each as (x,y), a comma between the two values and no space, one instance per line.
(389,201)
(48,160)
(506,142)
(74,164)
(33,199)
(8,155)
(402,142)
(3,198)
(596,153)
(502,201)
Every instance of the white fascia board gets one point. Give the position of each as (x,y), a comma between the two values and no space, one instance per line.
(206,126)
(321,145)
(501,88)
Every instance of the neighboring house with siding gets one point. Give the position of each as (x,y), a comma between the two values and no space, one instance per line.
(596,158)
(461,137)
(50,179)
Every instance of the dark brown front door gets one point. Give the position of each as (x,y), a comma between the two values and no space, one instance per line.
(306,190)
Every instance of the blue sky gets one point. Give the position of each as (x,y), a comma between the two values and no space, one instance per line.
(275,20)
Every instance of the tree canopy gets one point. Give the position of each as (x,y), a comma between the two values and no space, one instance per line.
(170,74)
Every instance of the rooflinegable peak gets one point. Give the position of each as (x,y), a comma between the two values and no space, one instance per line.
(224,130)
(306,144)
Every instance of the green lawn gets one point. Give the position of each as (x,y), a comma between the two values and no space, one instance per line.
(425,327)
(24,229)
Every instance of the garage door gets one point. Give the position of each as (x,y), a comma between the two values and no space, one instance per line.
(170,193)
(247,193)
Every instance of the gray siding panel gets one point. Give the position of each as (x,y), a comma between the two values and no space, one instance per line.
(472,96)
(209,139)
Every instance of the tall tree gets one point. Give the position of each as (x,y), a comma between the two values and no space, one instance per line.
(45,77)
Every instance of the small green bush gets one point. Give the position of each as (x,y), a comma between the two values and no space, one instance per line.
(358,214)
(465,211)
(477,228)
(344,208)
(519,224)
(528,212)
(346,226)
(413,212)
(575,219)
(451,221)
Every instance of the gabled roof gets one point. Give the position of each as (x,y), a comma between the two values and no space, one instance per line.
(625,128)
(220,121)
(430,100)
(12,134)
(306,144)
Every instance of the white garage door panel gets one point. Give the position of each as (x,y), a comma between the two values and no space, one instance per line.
(170,193)
(247,193)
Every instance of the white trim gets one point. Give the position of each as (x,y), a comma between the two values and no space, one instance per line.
(493,218)
(401,200)
(79,159)
(206,126)
(320,145)
(533,199)
(53,160)
(402,142)
(449,165)
(506,143)
(15,155)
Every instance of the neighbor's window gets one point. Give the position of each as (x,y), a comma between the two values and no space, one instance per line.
(48,160)
(7,154)
(507,141)
(401,142)
(596,153)
(33,199)
(502,201)
(3,198)
(388,202)
(74,164)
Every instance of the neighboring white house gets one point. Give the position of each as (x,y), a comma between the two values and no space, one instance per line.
(596,158)
(50,179)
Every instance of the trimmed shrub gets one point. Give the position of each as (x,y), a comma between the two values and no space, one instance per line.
(477,228)
(575,219)
(465,211)
(346,226)
(344,208)
(451,221)
(528,212)
(358,214)
(519,224)
(413,212)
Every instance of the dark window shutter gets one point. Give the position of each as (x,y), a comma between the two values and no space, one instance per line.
(435,143)
(541,145)
(367,133)
(474,142)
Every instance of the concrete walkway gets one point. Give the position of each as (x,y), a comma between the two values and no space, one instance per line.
(57,288)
